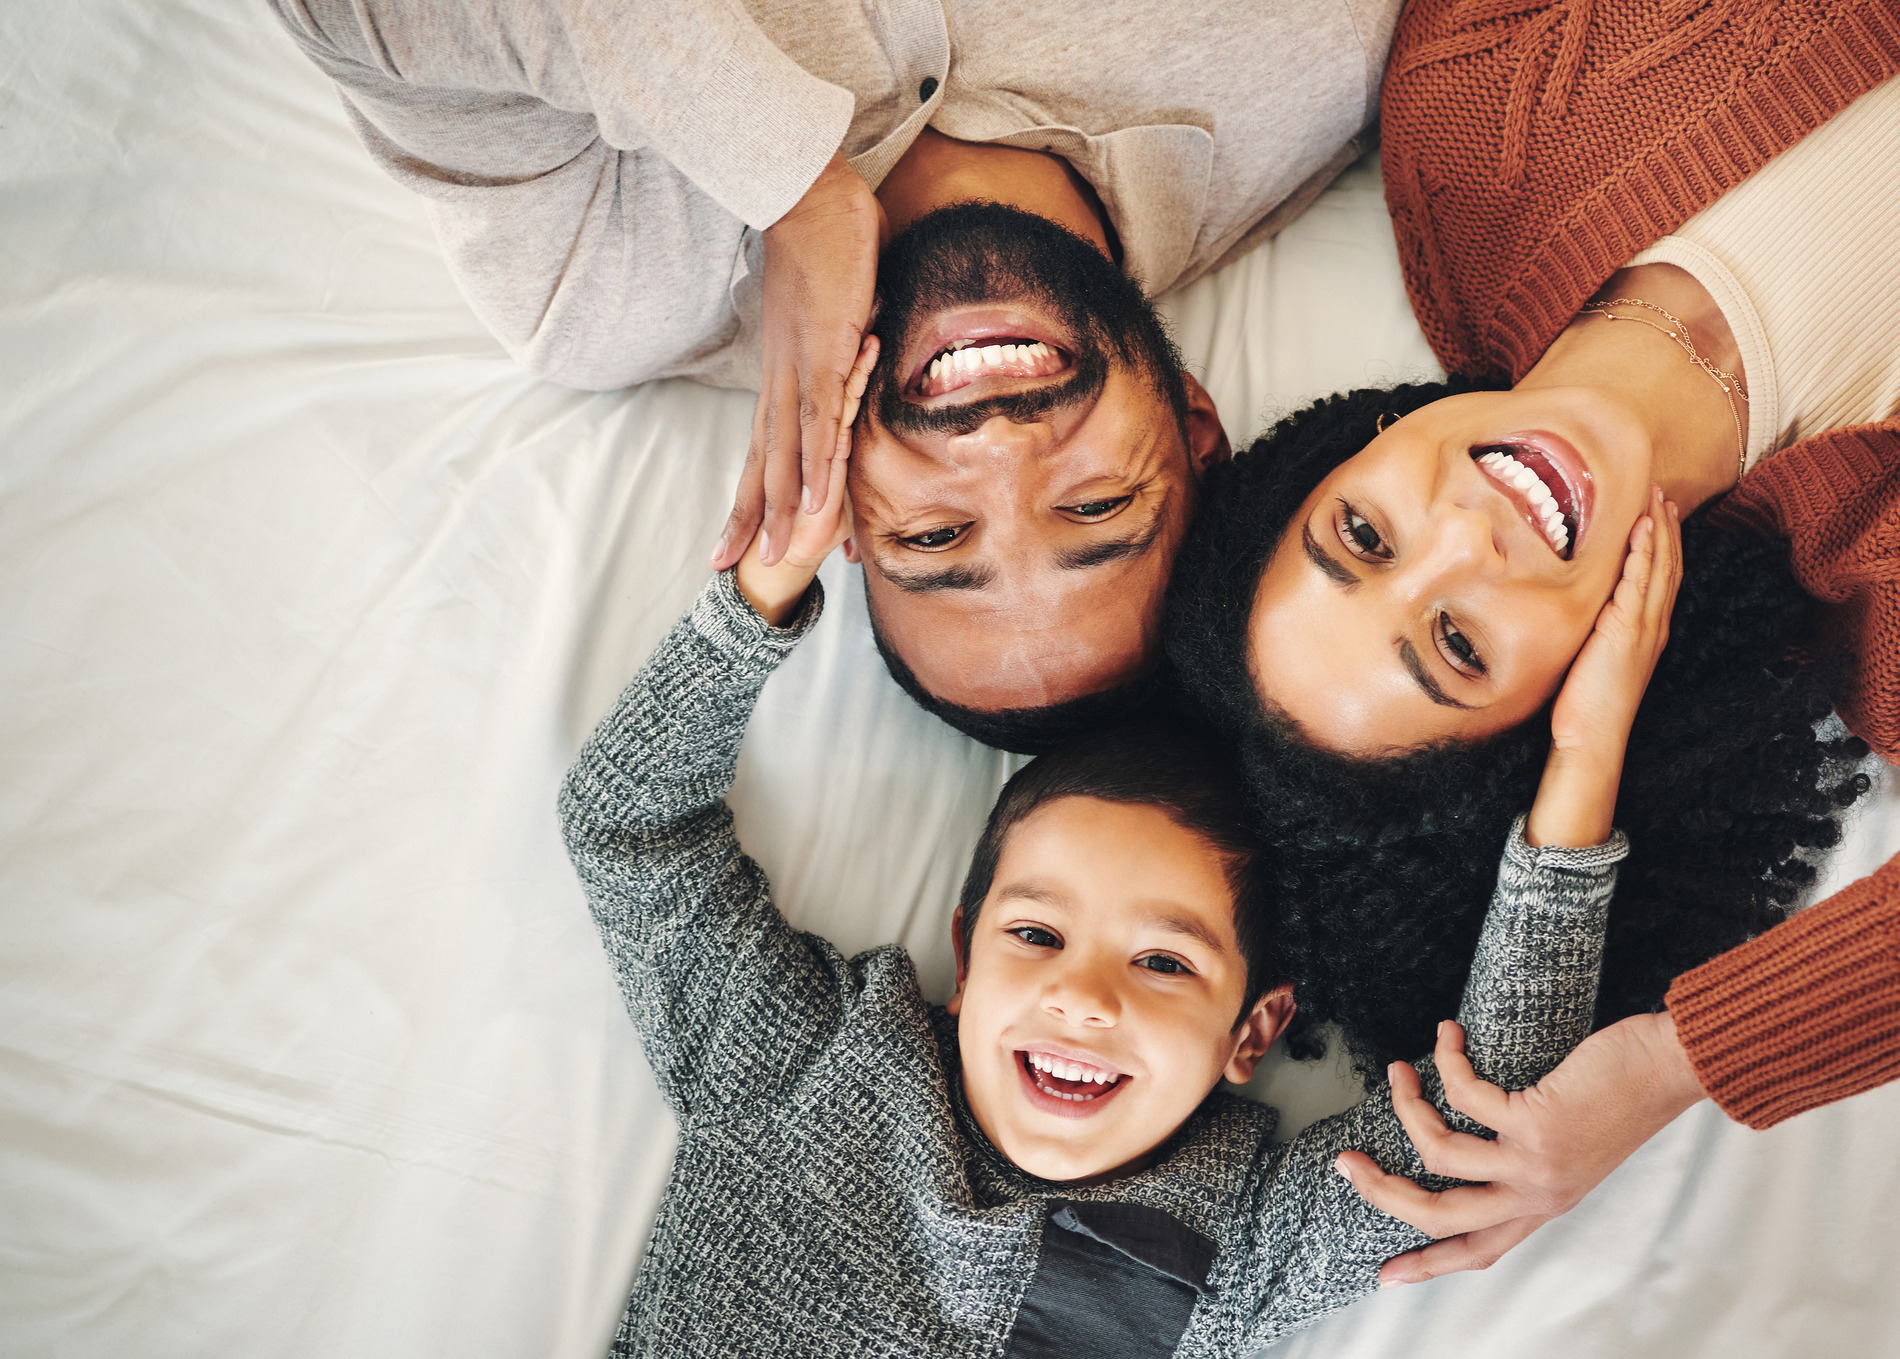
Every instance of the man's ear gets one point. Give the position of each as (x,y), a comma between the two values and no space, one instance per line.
(1264,1023)
(963,963)
(1207,437)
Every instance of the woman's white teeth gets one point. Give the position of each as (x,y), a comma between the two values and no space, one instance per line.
(1543,504)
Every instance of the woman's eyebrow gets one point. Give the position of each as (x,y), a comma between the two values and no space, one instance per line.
(1335,572)
(1415,666)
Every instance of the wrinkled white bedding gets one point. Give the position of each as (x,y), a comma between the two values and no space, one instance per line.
(306,597)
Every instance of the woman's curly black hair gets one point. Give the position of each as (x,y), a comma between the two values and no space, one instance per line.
(1386,866)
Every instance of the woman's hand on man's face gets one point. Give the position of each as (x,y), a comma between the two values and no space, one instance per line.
(1590,722)
(1556,1142)
(820,281)
(774,591)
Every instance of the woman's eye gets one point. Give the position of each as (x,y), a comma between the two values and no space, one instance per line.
(1036,935)
(1096,509)
(935,540)
(1356,531)
(1458,648)
(1164,964)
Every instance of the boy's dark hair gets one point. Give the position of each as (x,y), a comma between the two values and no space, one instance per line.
(1386,865)
(1173,768)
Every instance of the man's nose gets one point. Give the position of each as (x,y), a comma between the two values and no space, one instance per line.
(1083,994)
(1002,441)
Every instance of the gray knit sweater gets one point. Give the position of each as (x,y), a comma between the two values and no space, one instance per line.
(831,1193)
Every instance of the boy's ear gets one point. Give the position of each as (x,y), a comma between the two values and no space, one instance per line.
(963,964)
(1264,1023)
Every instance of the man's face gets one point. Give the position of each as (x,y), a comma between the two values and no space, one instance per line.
(1019,481)
(1096,1005)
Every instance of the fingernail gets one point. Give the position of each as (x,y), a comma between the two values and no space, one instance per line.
(1392,1283)
(1339,1164)
(765,549)
(806,503)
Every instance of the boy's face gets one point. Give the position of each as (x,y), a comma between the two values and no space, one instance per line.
(1106,943)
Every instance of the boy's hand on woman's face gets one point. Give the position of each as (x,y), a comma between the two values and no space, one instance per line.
(1590,722)
(774,591)
(819,282)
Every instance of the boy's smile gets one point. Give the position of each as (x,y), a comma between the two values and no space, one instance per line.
(1096,1007)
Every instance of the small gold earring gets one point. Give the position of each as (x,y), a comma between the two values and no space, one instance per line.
(1379,424)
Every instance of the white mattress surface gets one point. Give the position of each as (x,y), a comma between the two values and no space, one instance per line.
(307,596)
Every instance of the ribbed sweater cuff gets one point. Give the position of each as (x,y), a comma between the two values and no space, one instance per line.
(1804,1015)
(722,616)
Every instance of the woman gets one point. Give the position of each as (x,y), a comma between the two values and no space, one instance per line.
(1652,244)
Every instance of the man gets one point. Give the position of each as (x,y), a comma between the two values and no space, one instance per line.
(699,188)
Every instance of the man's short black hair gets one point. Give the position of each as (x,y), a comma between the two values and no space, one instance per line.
(1386,865)
(1029,731)
(1179,771)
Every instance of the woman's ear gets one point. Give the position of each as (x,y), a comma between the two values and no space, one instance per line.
(1207,437)
(963,963)
(1264,1023)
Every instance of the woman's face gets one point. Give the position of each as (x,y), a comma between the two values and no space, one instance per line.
(1439,583)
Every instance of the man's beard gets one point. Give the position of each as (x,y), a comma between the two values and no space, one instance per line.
(974,254)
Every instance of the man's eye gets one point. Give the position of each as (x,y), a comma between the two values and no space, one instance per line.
(1363,540)
(1164,964)
(935,540)
(1457,647)
(1096,509)
(1036,935)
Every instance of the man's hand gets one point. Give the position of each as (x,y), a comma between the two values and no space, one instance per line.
(820,278)
(774,591)
(1556,1141)
(1590,722)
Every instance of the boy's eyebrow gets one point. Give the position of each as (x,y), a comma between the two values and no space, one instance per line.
(1029,891)
(1197,930)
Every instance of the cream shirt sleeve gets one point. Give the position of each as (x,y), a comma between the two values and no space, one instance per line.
(590,167)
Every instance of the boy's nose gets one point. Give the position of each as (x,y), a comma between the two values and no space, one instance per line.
(1083,997)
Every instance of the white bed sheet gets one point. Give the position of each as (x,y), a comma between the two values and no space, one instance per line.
(306,597)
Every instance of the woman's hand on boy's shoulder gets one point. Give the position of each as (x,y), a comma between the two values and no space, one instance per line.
(774,591)
(1590,722)
(1555,1142)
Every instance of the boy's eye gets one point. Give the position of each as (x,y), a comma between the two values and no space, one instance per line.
(1036,935)
(1165,964)
(1359,536)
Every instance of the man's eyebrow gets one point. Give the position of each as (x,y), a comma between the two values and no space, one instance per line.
(1335,572)
(946,578)
(1136,545)
(1433,689)
(1197,930)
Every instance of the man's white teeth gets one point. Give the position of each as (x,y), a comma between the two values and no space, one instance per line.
(1068,1071)
(964,357)
(1550,519)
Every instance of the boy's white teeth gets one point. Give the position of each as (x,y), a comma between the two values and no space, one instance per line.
(1068,1071)
(1543,504)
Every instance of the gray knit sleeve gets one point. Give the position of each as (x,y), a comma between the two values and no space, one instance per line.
(707,964)
(1316,1244)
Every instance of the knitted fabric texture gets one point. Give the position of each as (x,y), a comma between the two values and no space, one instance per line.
(1836,499)
(1807,1014)
(831,1193)
(1531,150)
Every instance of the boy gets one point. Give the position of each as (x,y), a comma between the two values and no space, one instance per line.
(1038,1168)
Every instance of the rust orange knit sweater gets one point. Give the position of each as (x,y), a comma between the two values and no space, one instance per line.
(1531,149)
